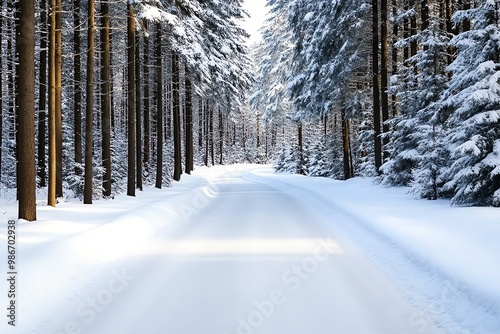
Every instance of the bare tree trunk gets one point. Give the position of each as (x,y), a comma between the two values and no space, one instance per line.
(77,88)
(189,125)
(221,137)
(466,25)
(211,135)
(395,32)
(159,109)
(105,100)
(58,70)
(42,99)
(138,118)
(413,30)
(376,88)
(177,117)
(51,198)
(384,79)
(1,96)
(147,132)
(301,149)
(89,108)
(425,12)
(25,49)
(131,99)
(257,120)
(200,122)
(207,141)
(346,145)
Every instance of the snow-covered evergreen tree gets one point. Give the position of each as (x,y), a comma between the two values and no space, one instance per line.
(471,107)
(416,151)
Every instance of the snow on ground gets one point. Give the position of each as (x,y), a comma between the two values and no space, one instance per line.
(239,249)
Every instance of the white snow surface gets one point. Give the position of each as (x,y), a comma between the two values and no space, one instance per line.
(240,249)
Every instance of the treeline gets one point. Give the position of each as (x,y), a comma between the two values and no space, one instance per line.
(407,90)
(103,97)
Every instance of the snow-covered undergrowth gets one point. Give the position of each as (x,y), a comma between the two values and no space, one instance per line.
(443,258)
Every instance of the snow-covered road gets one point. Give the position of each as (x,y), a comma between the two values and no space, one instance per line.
(251,259)
(241,250)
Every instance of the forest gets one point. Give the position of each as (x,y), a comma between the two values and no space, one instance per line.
(99,98)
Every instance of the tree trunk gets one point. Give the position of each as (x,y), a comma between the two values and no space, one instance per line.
(466,25)
(200,122)
(138,116)
(77,88)
(384,79)
(301,149)
(257,121)
(177,117)
(406,32)
(395,32)
(42,98)
(449,28)
(207,141)
(51,198)
(413,30)
(105,100)
(221,137)
(346,145)
(147,132)
(131,99)
(58,70)
(25,49)
(189,125)
(89,108)
(159,109)
(211,136)
(1,96)
(376,88)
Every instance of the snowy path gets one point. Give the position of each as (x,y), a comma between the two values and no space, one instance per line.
(253,259)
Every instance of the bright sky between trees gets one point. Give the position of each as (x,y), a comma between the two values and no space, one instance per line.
(257,10)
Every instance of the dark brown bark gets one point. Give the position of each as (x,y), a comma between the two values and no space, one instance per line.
(413,30)
(211,135)
(138,112)
(51,198)
(376,87)
(346,146)
(206,115)
(77,88)
(466,25)
(301,149)
(58,70)
(384,75)
(189,125)
(159,109)
(147,131)
(221,138)
(177,117)
(395,32)
(257,121)
(425,12)
(42,98)
(200,122)
(1,95)
(89,108)
(131,99)
(406,32)
(105,99)
(25,49)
